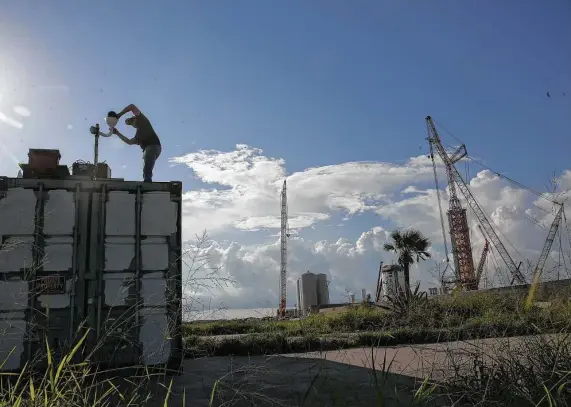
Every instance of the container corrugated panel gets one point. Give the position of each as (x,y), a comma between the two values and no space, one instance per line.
(98,255)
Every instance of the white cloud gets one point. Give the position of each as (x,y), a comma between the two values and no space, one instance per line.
(242,190)
(248,184)
(10,121)
(22,111)
(255,269)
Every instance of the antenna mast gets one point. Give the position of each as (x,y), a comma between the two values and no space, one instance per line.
(283,263)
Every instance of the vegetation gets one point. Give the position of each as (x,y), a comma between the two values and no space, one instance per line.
(536,372)
(488,310)
(403,302)
(409,246)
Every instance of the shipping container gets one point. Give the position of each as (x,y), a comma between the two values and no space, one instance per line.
(100,256)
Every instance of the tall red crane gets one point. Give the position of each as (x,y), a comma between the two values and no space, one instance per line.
(457,220)
(459,232)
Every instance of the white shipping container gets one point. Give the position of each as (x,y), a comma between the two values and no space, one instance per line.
(105,255)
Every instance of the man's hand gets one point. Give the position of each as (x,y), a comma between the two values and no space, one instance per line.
(126,140)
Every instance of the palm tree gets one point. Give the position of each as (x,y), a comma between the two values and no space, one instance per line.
(408,245)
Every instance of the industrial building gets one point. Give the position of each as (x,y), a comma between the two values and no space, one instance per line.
(312,292)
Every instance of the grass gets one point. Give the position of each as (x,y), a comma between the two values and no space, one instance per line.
(64,382)
(536,373)
(481,315)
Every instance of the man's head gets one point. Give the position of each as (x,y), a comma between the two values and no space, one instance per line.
(131,121)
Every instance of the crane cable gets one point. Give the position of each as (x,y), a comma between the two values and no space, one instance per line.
(561,255)
(498,273)
(568,232)
(501,176)
(519,184)
(439,207)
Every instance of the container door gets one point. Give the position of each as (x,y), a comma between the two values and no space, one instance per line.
(112,283)
(138,277)
(38,271)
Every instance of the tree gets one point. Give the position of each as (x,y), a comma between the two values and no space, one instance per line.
(409,246)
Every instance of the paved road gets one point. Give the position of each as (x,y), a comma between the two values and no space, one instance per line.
(338,378)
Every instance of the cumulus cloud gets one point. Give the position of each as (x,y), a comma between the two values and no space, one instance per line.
(10,121)
(255,268)
(241,192)
(22,111)
(246,189)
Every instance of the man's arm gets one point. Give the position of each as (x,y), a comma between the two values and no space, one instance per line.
(131,108)
(125,139)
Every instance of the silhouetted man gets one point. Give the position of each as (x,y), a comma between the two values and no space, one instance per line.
(145,137)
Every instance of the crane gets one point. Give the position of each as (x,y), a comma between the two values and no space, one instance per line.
(544,253)
(283,252)
(457,220)
(483,257)
(459,232)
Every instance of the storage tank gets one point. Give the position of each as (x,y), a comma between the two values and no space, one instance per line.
(364,295)
(298,293)
(392,279)
(308,291)
(322,289)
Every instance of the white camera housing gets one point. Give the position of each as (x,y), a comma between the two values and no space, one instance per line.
(111,121)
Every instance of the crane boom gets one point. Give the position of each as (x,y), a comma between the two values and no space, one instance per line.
(454,177)
(548,243)
(483,257)
(487,226)
(283,260)
(543,256)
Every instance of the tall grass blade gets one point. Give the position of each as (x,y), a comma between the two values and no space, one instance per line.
(166,403)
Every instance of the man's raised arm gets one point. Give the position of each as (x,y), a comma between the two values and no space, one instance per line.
(131,108)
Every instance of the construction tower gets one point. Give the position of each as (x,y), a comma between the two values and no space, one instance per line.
(283,252)
(457,220)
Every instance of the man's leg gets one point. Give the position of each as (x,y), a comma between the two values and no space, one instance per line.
(150,156)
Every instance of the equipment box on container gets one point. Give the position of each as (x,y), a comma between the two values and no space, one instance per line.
(102,256)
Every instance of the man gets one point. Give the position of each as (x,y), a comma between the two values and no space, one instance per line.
(145,137)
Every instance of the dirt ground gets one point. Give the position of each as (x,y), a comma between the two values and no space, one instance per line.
(338,378)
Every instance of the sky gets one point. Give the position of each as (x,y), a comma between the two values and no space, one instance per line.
(329,95)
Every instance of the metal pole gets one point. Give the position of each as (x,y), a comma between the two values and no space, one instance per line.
(96,151)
